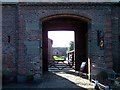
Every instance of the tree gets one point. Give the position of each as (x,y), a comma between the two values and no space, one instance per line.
(71,46)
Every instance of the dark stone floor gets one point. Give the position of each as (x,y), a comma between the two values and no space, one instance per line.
(55,79)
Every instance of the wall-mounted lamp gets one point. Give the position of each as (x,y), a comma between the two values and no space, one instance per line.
(100,39)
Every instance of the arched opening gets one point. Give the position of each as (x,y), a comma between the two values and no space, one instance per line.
(66,22)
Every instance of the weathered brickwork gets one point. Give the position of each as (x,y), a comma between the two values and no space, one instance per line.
(9,38)
(28,43)
(29,47)
(115,38)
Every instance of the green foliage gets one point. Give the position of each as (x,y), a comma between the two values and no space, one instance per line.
(6,72)
(6,75)
(58,57)
(103,75)
(71,46)
(30,77)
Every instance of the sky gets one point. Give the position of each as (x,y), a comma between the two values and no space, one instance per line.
(61,38)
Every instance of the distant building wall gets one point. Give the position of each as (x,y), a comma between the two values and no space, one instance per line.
(50,42)
(62,51)
(56,52)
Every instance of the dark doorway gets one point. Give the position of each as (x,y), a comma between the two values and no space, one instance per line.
(67,22)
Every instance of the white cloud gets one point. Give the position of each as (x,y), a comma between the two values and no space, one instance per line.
(61,38)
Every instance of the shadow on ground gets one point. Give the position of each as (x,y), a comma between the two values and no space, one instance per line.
(50,80)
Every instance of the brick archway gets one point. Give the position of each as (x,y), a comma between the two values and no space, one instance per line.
(67,22)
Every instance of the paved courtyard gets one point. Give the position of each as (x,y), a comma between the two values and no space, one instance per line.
(66,78)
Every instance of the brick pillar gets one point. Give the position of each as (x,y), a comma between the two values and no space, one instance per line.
(108,42)
(21,56)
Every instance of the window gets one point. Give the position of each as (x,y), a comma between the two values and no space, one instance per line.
(8,39)
(119,38)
